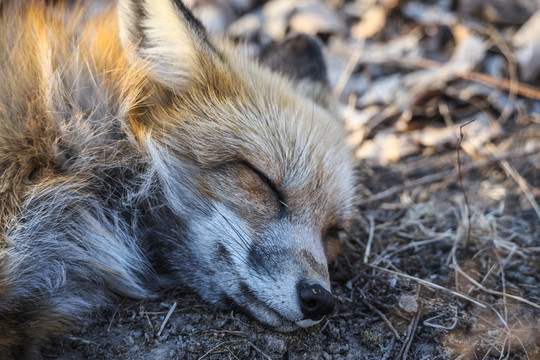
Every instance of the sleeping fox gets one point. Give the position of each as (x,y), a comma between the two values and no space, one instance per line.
(138,153)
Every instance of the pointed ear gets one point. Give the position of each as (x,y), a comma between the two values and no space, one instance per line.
(167,35)
(300,57)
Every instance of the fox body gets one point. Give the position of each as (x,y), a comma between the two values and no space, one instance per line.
(138,153)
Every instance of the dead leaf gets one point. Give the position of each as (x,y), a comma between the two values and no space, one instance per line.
(527,42)
(387,147)
(428,15)
(315,17)
(372,22)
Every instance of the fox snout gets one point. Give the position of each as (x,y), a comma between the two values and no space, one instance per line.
(315,301)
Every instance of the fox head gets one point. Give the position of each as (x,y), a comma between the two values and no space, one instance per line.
(254,173)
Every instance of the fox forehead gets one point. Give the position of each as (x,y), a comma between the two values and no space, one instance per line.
(294,142)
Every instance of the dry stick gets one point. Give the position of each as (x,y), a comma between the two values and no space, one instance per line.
(231,353)
(519,88)
(370,238)
(171,310)
(465,197)
(259,350)
(437,326)
(430,284)
(489,291)
(498,41)
(411,330)
(81,340)
(215,347)
(505,305)
(325,325)
(384,318)
(349,68)
(112,319)
(522,346)
(512,172)
(503,84)
(149,321)
(445,175)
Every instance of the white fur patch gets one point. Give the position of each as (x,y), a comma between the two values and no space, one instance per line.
(277,299)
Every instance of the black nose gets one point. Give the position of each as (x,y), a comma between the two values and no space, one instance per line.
(315,301)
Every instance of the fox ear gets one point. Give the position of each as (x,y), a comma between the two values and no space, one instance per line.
(167,35)
(300,58)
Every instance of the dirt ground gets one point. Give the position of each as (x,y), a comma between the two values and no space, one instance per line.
(441,262)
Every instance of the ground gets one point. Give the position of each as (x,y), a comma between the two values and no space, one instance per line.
(443,258)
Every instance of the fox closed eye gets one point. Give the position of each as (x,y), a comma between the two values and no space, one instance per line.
(245,190)
(279,195)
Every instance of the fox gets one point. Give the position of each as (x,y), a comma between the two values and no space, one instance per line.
(138,152)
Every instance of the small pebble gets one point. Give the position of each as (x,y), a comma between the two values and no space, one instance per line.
(408,303)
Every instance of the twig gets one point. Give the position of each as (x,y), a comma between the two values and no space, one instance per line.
(519,88)
(81,340)
(414,326)
(444,175)
(489,291)
(513,81)
(522,89)
(384,318)
(231,353)
(465,197)
(437,326)
(325,325)
(171,310)
(149,321)
(411,330)
(229,332)
(112,319)
(512,172)
(415,244)
(430,284)
(349,68)
(259,351)
(370,238)
(215,347)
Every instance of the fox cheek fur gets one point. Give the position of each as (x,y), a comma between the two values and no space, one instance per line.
(161,156)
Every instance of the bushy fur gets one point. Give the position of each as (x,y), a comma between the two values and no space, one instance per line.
(139,154)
